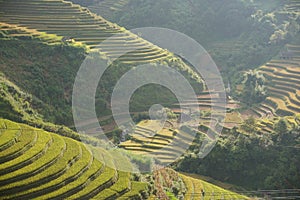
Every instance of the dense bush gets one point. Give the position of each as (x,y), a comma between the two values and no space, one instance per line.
(254,90)
(269,161)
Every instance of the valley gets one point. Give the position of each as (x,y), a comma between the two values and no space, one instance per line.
(199,148)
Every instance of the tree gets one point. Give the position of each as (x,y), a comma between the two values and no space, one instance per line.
(249,125)
(254,90)
(281,126)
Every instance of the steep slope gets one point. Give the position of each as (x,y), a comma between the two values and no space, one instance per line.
(38,164)
(38,35)
(9,31)
(166,145)
(103,7)
(41,67)
(20,106)
(170,184)
(16,104)
(224,29)
(283,88)
(195,186)
(70,20)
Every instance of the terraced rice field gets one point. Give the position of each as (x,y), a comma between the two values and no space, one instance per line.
(35,164)
(266,126)
(17,32)
(69,20)
(228,46)
(293,5)
(205,101)
(106,7)
(195,186)
(283,87)
(165,145)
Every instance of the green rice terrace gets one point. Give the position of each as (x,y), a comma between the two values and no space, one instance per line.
(10,31)
(36,164)
(255,153)
(149,138)
(195,186)
(152,138)
(72,21)
(192,188)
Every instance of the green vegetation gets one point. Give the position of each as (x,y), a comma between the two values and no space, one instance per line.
(224,29)
(22,107)
(48,54)
(150,139)
(282,84)
(195,186)
(254,88)
(266,148)
(59,167)
(44,42)
(253,159)
(83,26)
(240,35)
(105,7)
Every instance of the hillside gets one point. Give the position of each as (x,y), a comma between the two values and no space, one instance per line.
(51,55)
(283,87)
(195,186)
(36,164)
(76,22)
(160,153)
(238,34)
(263,138)
(105,8)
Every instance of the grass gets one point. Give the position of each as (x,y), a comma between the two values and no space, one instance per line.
(15,31)
(265,126)
(156,144)
(104,180)
(43,141)
(22,144)
(123,183)
(166,133)
(107,194)
(39,15)
(7,138)
(51,155)
(65,169)
(150,125)
(288,93)
(68,160)
(233,117)
(194,187)
(8,133)
(189,187)
(121,186)
(146,138)
(136,189)
(78,184)
(90,179)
